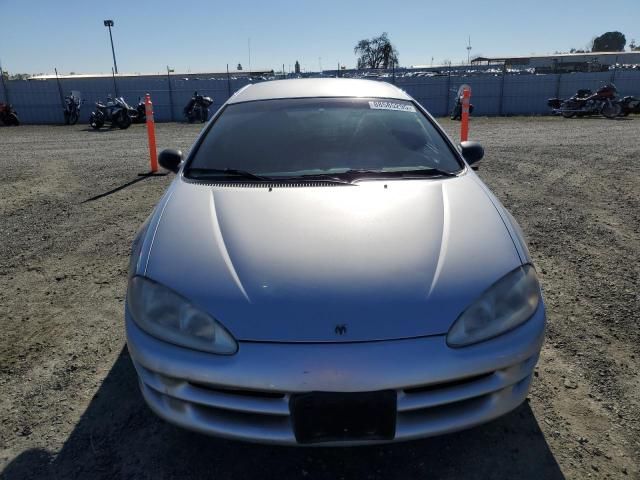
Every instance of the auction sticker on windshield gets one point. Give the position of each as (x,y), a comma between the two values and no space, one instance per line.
(401,107)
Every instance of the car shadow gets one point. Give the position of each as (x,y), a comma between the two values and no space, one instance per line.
(119,437)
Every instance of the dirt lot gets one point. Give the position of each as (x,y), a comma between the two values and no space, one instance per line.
(71,201)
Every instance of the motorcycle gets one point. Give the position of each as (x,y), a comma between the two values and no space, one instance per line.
(139,114)
(586,102)
(72,104)
(456,113)
(629,105)
(116,111)
(8,115)
(198,108)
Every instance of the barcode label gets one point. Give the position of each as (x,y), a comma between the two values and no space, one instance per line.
(399,107)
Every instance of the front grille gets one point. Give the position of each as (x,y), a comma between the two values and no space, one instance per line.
(443,393)
(239,392)
(267,415)
(455,383)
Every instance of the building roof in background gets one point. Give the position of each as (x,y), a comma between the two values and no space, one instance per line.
(634,56)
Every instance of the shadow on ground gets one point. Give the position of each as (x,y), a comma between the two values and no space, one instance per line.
(118,437)
(141,176)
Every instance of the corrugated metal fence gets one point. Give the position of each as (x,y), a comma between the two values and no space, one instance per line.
(511,94)
(38,101)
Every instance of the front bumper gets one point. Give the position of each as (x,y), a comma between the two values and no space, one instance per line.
(246,396)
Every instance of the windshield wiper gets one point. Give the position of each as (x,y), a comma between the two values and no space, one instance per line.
(322,177)
(427,172)
(418,172)
(234,172)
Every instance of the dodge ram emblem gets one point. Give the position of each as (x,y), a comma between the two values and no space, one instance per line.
(341,329)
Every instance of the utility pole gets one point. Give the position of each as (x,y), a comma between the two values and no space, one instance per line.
(115,85)
(469,51)
(109,24)
(249,45)
(169,70)
(59,88)
(4,86)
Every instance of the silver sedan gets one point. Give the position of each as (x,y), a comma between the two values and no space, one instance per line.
(326,268)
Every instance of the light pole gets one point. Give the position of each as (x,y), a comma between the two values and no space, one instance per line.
(109,24)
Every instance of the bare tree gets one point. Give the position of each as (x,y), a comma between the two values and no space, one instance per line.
(377,52)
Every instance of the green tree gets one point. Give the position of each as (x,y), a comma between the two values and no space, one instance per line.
(376,52)
(609,42)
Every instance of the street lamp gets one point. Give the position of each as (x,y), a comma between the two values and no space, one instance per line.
(109,24)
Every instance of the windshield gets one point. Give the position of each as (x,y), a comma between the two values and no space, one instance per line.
(316,136)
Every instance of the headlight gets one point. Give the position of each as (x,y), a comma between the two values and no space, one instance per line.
(509,302)
(168,316)
(136,247)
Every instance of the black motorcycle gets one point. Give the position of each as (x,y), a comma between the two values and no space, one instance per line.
(115,111)
(585,102)
(139,114)
(198,108)
(72,104)
(8,116)
(629,105)
(456,113)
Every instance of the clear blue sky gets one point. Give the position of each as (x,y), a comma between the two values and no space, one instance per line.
(199,35)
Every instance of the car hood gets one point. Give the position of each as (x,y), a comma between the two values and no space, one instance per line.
(299,263)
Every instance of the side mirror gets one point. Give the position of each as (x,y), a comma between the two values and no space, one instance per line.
(170,159)
(471,151)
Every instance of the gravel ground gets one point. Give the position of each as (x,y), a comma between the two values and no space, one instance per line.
(71,201)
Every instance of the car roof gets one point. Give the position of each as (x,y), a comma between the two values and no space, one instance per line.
(318,87)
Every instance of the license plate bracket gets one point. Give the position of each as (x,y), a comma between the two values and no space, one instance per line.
(333,417)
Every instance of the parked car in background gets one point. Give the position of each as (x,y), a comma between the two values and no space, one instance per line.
(326,268)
